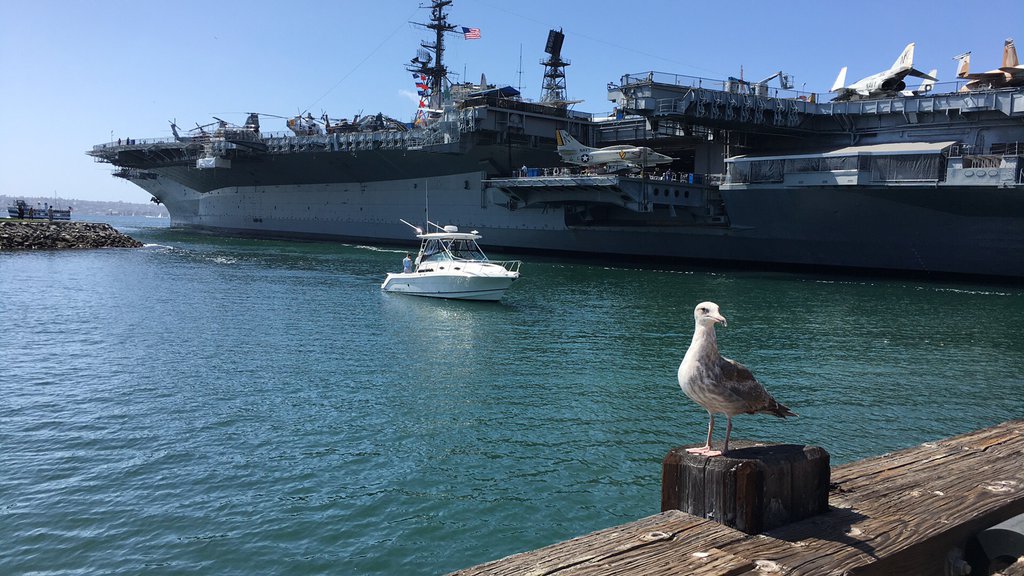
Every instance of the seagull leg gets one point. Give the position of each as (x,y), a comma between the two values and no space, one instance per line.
(728,431)
(710,452)
(706,449)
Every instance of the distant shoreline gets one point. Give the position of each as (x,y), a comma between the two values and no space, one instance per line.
(88,207)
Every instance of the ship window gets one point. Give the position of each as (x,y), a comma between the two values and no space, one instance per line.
(794,165)
(766,171)
(905,167)
(738,172)
(832,163)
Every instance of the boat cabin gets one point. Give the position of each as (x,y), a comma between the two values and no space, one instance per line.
(448,246)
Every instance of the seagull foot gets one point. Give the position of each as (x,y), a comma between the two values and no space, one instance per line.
(704,451)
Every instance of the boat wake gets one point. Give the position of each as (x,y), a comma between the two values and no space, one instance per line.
(378,249)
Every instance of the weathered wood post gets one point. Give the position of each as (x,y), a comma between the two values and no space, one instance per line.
(753,487)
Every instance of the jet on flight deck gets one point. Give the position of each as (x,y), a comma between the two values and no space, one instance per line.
(612,158)
(886,83)
(1010,74)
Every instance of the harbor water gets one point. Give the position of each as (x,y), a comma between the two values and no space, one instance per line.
(233,406)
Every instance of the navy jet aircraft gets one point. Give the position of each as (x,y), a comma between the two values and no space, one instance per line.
(886,83)
(1011,73)
(612,158)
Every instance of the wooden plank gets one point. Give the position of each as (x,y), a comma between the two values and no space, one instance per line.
(672,542)
(899,513)
(905,524)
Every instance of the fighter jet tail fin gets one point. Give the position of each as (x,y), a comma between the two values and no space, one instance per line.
(840,82)
(906,59)
(1009,54)
(928,83)
(964,68)
(567,143)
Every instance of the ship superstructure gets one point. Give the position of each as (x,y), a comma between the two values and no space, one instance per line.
(919,182)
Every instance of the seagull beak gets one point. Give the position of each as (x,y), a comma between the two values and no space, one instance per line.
(719,318)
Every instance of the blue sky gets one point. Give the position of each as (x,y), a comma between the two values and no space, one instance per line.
(78,73)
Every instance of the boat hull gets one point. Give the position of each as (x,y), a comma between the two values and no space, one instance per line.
(449,286)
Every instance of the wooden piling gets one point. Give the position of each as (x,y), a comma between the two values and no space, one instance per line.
(753,487)
(908,512)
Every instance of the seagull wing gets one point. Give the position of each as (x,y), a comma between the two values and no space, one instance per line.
(738,382)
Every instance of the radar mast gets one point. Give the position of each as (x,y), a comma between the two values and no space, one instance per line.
(554,72)
(430,60)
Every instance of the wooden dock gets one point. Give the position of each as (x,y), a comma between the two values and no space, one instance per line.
(908,512)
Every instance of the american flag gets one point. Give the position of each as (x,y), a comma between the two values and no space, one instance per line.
(471,33)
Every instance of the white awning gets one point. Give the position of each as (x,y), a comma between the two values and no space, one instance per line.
(890,149)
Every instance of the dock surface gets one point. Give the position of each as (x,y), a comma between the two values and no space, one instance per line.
(899,513)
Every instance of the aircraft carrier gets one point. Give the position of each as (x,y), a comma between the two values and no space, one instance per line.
(908,182)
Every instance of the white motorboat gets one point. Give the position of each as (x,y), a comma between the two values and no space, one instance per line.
(451,264)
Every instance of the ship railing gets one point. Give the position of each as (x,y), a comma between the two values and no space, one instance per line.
(134,142)
(446,132)
(731,85)
(995,149)
(696,179)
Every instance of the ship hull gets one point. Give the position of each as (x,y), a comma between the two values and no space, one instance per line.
(917,229)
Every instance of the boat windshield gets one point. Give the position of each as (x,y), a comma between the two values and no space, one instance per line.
(433,250)
(465,250)
(451,249)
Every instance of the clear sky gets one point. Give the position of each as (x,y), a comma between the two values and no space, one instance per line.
(79,73)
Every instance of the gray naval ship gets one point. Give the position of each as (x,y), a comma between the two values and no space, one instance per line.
(880,178)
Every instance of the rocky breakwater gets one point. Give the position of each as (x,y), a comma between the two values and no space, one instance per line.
(46,235)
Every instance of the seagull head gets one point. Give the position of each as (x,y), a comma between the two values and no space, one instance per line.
(706,314)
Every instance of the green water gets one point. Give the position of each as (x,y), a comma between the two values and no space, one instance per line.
(226,406)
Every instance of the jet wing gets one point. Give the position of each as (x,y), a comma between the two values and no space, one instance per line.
(990,75)
(918,74)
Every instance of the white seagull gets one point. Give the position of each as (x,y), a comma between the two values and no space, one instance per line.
(718,384)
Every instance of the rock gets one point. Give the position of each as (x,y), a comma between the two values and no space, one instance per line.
(45,235)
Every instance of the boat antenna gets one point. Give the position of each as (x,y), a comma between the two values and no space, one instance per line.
(426,201)
(416,228)
(520,86)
